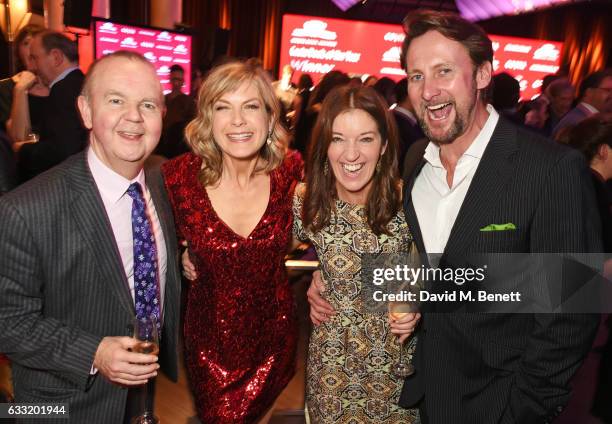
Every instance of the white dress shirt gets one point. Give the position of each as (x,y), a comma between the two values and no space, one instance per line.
(118,204)
(436,204)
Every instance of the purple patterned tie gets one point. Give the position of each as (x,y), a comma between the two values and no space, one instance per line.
(146,293)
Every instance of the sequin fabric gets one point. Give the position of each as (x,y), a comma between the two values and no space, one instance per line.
(240,327)
(348,373)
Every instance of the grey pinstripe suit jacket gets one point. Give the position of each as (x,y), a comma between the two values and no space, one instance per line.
(63,288)
(507,368)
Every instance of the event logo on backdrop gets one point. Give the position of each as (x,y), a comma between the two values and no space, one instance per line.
(161,47)
(317,45)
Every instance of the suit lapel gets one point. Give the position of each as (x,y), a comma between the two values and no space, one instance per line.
(90,215)
(486,188)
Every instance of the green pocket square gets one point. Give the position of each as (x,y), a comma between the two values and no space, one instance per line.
(499,227)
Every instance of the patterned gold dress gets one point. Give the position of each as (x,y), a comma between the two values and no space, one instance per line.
(349,377)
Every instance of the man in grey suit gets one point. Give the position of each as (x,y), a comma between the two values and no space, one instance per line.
(67,256)
(595,96)
(481,186)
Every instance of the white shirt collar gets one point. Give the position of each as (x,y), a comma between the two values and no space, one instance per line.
(405,112)
(589,108)
(112,186)
(478,146)
(62,76)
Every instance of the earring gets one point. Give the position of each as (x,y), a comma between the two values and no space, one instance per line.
(325,168)
(269,140)
(378,166)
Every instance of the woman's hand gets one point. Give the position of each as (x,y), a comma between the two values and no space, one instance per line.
(189,270)
(404,327)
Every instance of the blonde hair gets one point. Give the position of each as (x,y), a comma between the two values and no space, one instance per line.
(199,135)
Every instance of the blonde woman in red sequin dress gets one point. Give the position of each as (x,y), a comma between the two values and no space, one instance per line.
(232,204)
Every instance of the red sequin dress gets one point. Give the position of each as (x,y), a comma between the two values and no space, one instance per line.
(240,327)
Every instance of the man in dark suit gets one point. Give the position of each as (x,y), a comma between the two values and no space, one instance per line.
(61,132)
(595,96)
(477,172)
(407,125)
(67,257)
(479,169)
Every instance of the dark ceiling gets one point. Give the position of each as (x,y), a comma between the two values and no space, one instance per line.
(390,11)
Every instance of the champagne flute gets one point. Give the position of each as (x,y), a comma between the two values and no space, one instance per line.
(32,137)
(401,369)
(145,330)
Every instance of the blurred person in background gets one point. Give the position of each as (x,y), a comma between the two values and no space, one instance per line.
(22,97)
(62,134)
(506,94)
(370,80)
(386,88)
(180,109)
(197,76)
(560,94)
(355,82)
(331,80)
(409,130)
(534,114)
(595,95)
(300,101)
(284,89)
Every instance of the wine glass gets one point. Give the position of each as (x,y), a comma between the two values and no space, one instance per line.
(401,369)
(145,330)
(32,138)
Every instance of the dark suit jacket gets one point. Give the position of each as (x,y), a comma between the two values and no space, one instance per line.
(571,118)
(63,288)
(508,368)
(409,132)
(62,133)
(8,178)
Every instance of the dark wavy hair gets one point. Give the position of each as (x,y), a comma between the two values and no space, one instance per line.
(384,199)
(587,135)
(452,26)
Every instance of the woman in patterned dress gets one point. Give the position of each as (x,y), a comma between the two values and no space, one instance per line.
(232,204)
(350,206)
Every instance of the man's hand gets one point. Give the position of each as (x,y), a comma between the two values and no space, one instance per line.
(320,309)
(115,362)
(24,80)
(404,327)
(189,270)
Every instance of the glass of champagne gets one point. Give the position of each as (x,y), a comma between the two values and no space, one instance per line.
(32,137)
(401,369)
(145,330)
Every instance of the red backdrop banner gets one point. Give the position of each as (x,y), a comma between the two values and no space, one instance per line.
(316,45)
